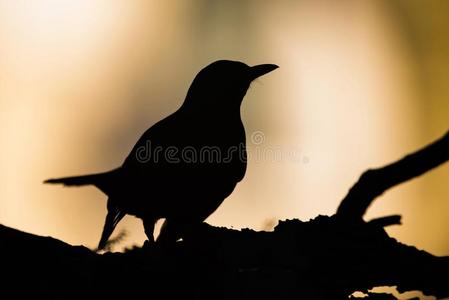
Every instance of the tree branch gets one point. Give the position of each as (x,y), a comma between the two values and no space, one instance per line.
(375,182)
(320,259)
(324,258)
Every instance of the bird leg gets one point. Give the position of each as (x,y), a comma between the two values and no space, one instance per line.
(171,231)
(148,225)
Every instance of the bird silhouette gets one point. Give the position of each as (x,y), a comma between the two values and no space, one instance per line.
(184,166)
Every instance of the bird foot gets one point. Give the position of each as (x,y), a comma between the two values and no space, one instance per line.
(148,244)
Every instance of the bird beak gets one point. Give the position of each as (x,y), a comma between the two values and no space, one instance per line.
(259,70)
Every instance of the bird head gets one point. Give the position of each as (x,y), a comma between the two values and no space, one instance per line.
(223,84)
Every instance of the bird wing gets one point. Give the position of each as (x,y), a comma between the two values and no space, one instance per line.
(186,187)
(149,164)
(112,219)
(161,134)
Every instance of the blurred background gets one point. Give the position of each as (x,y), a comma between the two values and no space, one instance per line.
(360,84)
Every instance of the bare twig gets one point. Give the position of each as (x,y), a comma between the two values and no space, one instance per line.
(324,258)
(375,182)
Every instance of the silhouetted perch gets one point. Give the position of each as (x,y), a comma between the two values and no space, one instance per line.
(324,258)
(375,182)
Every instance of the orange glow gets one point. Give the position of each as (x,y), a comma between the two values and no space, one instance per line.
(349,95)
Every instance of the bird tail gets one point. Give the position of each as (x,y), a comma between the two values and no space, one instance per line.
(75,180)
(103,181)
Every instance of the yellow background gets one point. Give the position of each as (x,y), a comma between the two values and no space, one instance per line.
(360,84)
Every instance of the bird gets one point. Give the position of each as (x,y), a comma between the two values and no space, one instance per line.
(184,166)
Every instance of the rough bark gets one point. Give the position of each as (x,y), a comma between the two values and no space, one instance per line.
(328,257)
